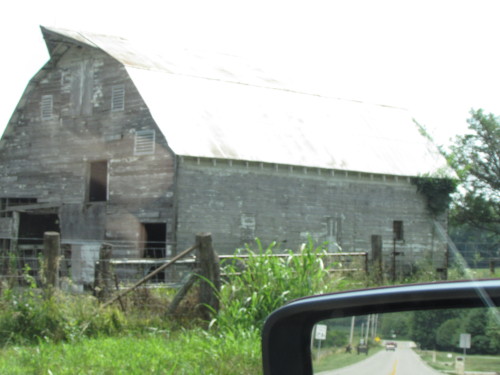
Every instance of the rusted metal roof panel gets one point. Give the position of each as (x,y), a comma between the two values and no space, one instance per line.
(216,106)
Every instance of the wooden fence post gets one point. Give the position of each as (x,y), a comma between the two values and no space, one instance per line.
(103,273)
(51,251)
(208,261)
(376,241)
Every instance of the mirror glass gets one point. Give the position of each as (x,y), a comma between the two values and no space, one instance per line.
(452,341)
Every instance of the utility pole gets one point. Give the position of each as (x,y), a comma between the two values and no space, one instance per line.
(367,333)
(375,327)
(351,337)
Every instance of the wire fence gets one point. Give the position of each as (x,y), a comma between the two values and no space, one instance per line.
(479,254)
(22,265)
(79,275)
(77,265)
(81,265)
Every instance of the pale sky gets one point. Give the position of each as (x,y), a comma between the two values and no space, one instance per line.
(438,59)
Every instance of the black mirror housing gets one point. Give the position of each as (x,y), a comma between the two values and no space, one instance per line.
(287,332)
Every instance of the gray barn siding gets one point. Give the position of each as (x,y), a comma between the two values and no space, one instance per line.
(290,205)
(49,159)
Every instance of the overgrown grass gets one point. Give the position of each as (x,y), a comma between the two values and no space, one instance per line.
(57,333)
(446,361)
(181,352)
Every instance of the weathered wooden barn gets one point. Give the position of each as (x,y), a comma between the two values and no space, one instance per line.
(110,143)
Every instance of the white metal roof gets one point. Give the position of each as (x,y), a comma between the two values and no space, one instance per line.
(217,106)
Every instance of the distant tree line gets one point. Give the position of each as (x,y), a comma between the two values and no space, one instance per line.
(441,329)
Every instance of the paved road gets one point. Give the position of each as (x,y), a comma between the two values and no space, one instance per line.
(403,361)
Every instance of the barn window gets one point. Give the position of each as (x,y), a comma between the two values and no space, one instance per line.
(118,98)
(397,230)
(46,107)
(144,142)
(98,181)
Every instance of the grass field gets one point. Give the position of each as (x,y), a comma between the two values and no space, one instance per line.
(184,353)
(477,363)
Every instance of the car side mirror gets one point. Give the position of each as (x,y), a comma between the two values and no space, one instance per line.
(289,332)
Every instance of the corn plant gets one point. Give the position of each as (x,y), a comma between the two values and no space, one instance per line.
(266,282)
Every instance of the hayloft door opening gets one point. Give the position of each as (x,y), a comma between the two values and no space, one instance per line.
(98,181)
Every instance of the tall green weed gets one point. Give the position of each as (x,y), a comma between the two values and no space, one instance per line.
(266,282)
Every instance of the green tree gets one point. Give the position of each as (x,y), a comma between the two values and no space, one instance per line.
(424,326)
(477,323)
(448,334)
(493,330)
(476,158)
(395,323)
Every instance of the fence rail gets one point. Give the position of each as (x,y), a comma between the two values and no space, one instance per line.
(113,279)
(23,265)
(128,271)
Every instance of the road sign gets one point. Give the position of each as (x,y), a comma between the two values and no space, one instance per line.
(464,341)
(320,332)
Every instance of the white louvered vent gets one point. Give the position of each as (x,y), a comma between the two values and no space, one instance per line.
(144,142)
(118,98)
(46,107)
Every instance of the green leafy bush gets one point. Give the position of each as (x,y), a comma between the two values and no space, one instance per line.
(29,315)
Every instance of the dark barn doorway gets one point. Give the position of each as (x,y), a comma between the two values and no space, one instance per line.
(155,245)
(32,227)
(155,240)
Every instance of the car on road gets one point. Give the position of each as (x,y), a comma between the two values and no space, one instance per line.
(390,346)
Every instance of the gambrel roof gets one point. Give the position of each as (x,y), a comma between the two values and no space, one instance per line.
(218,106)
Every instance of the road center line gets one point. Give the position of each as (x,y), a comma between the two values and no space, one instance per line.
(394,368)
